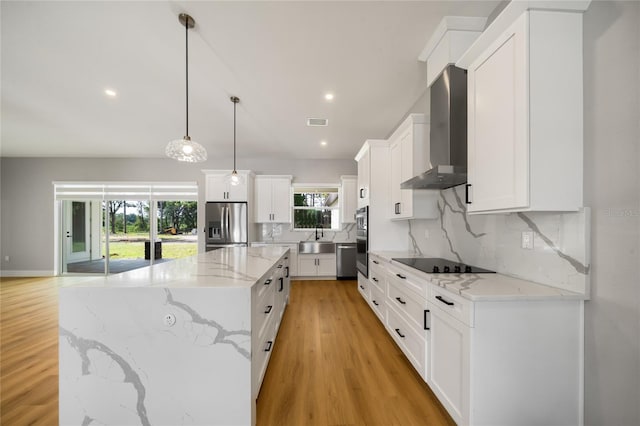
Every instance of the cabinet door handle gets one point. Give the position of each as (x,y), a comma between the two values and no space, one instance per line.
(376,262)
(267,282)
(375,303)
(443,300)
(269,344)
(399,334)
(401,276)
(287,269)
(426,311)
(375,279)
(361,192)
(466,193)
(268,309)
(281,284)
(397,208)
(402,302)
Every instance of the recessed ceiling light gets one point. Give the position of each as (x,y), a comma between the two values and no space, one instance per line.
(323,143)
(328,96)
(110,92)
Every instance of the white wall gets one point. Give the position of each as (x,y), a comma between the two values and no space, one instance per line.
(612,189)
(27,205)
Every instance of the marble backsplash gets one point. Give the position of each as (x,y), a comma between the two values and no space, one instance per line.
(283,232)
(560,253)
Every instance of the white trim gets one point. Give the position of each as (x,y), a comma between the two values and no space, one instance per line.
(451,23)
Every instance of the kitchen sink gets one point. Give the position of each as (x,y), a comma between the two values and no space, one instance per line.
(316,247)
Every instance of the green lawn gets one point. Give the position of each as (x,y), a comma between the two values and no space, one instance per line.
(135,249)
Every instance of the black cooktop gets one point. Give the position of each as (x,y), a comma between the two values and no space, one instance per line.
(434,265)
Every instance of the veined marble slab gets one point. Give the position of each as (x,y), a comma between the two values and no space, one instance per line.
(487,287)
(169,344)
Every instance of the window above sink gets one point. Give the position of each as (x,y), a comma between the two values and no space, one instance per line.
(316,206)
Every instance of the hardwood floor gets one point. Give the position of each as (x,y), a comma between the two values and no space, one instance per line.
(333,362)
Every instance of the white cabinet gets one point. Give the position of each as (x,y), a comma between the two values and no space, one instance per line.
(525,103)
(273,199)
(348,199)
(219,188)
(364,176)
(317,265)
(292,257)
(409,146)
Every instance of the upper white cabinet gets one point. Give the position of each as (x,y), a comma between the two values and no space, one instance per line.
(348,199)
(273,199)
(364,176)
(409,146)
(525,109)
(219,188)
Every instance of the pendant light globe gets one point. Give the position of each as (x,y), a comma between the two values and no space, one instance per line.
(186,149)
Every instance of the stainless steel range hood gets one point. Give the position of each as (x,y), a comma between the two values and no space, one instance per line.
(448,135)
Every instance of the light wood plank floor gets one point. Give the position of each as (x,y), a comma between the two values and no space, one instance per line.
(333,363)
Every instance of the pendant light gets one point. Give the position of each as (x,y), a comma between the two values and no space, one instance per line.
(234,179)
(185,149)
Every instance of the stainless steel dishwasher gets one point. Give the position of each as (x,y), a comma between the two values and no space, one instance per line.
(346,261)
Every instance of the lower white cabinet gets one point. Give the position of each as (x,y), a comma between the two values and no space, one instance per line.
(490,362)
(317,265)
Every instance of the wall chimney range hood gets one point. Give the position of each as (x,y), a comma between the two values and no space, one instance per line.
(448,135)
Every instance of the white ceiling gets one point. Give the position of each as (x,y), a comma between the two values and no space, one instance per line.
(278,57)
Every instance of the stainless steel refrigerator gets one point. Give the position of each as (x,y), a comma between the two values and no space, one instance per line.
(226,225)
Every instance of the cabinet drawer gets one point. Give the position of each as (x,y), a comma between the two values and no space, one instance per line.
(411,343)
(377,275)
(262,352)
(377,303)
(266,284)
(407,280)
(264,310)
(409,304)
(363,287)
(456,306)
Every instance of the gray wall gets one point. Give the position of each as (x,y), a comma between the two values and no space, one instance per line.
(27,205)
(612,189)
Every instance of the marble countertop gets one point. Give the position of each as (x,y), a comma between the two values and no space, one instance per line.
(238,267)
(483,287)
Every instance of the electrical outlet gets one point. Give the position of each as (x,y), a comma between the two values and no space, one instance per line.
(527,240)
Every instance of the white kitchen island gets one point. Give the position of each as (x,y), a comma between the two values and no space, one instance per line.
(185,342)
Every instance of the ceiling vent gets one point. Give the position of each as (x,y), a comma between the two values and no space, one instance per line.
(317,122)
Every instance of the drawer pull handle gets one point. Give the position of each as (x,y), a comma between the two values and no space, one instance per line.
(362,287)
(399,334)
(269,344)
(267,282)
(401,276)
(426,311)
(279,266)
(286,257)
(375,279)
(376,262)
(269,307)
(401,301)
(443,300)
(287,269)
(375,303)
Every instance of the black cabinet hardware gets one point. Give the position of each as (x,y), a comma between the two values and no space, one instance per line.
(268,348)
(268,309)
(375,279)
(375,303)
(361,192)
(287,269)
(267,282)
(399,334)
(426,311)
(376,262)
(362,287)
(397,208)
(281,284)
(401,276)
(443,300)
(466,193)
(279,266)
(401,301)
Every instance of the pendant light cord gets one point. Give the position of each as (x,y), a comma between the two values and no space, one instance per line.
(186,39)
(234,135)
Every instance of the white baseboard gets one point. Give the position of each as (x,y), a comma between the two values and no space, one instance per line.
(4,273)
